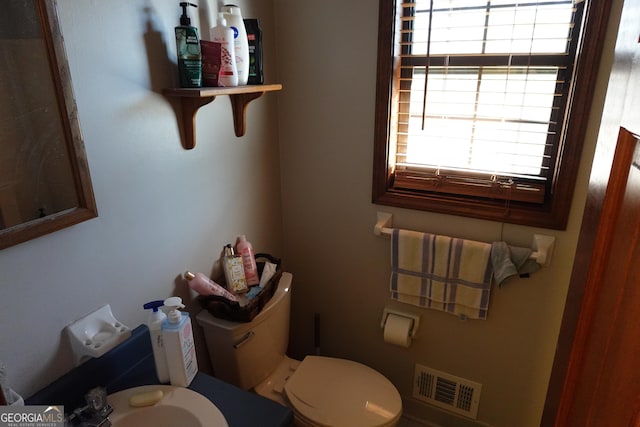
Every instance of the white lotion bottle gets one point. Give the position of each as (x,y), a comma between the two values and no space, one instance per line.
(241,44)
(221,33)
(177,337)
(154,323)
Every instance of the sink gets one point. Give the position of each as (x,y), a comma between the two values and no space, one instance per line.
(178,407)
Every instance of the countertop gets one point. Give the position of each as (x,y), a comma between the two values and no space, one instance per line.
(131,364)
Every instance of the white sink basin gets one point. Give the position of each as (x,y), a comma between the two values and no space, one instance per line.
(178,407)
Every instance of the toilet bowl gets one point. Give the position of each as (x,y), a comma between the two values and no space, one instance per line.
(321,391)
(325,391)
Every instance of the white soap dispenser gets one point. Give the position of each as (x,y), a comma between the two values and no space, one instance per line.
(177,337)
(156,318)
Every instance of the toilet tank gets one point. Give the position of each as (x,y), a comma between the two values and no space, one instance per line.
(244,354)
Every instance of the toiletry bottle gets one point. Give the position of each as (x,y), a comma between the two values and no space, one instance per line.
(188,49)
(254,39)
(177,337)
(4,388)
(234,20)
(156,318)
(221,33)
(234,271)
(205,286)
(10,397)
(245,250)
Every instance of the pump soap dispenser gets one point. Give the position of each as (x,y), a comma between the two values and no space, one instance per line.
(177,336)
(188,49)
(156,318)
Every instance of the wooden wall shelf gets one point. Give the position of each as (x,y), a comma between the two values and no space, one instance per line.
(192,99)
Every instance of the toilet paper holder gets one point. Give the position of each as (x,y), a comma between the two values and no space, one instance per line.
(414,317)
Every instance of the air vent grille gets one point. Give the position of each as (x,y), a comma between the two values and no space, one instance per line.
(447,391)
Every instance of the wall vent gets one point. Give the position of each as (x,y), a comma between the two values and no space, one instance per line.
(446,391)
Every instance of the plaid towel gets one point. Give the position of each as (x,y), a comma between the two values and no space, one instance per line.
(442,273)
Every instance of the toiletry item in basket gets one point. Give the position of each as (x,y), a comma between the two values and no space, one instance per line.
(234,271)
(3,386)
(177,337)
(244,248)
(205,286)
(156,318)
(241,47)
(221,33)
(254,38)
(188,48)
(7,394)
(268,271)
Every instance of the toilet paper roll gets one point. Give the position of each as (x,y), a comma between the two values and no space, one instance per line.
(397,330)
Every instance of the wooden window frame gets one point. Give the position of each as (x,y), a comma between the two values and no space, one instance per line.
(553,211)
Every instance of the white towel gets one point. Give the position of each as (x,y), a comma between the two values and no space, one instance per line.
(442,273)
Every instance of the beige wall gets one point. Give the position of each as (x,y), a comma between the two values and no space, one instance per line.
(327,57)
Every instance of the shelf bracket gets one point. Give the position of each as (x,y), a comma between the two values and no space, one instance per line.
(190,108)
(239,104)
(191,99)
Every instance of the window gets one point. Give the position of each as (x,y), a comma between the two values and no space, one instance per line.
(481,105)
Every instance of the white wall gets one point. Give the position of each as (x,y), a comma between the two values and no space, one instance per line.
(327,56)
(162,209)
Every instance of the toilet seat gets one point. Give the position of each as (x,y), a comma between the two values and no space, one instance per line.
(326,391)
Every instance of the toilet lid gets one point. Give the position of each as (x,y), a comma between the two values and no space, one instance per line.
(338,392)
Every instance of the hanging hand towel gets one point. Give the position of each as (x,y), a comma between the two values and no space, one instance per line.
(509,261)
(440,272)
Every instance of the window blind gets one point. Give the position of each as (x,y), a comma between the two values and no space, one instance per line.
(482,89)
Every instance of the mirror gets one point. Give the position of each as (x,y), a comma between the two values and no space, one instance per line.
(44,176)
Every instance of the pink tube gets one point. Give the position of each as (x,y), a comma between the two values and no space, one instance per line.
(205,286)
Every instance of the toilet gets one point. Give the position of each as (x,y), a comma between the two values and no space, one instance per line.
(321,391)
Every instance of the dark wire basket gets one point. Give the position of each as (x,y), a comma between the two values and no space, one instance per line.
(244,311)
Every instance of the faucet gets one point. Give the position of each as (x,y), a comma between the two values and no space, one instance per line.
(95,413)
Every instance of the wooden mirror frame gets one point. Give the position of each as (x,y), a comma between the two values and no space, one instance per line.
(61,79)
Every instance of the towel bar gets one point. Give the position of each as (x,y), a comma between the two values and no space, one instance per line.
(542,245)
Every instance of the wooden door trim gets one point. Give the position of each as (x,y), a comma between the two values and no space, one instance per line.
(594,286)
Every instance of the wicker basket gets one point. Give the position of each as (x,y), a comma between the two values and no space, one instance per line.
(244,311)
